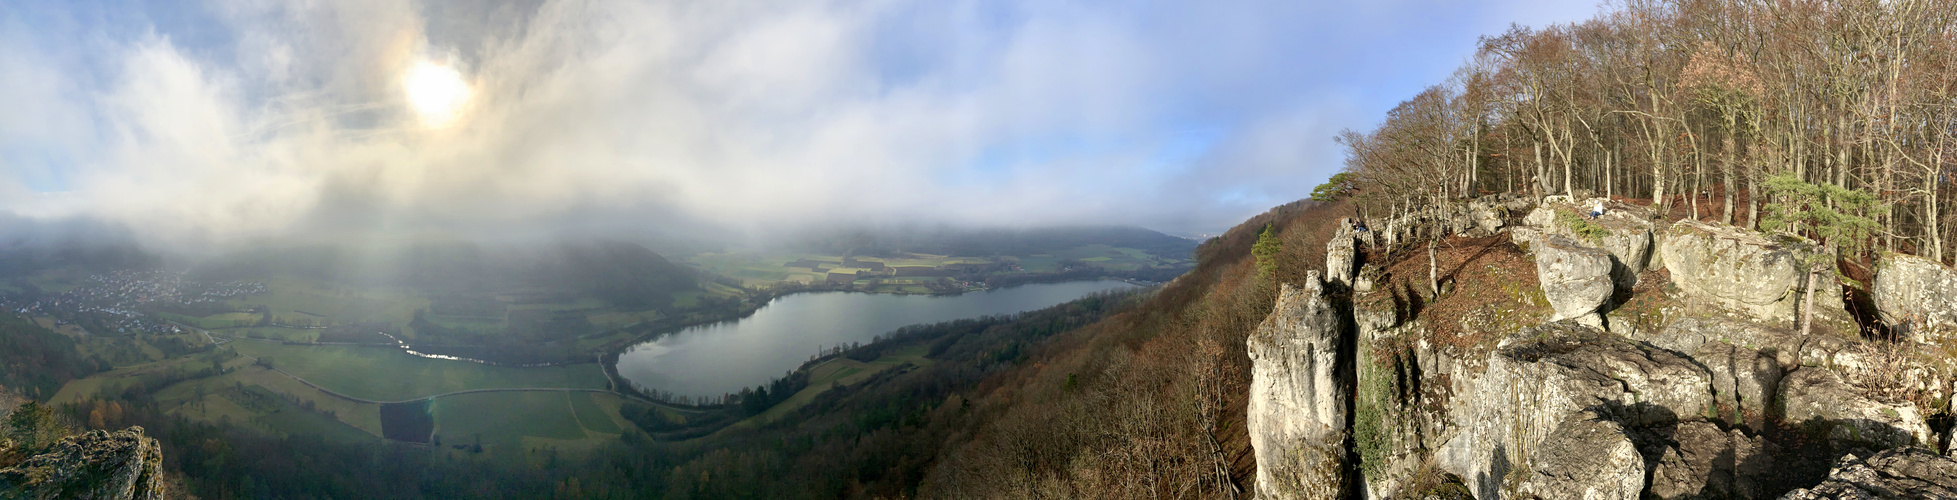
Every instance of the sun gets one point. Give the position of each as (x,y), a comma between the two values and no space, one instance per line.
(436,93)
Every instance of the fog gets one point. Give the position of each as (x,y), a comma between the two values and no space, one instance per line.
(202,127)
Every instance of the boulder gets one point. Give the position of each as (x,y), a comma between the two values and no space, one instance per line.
(1708,463)
(1298,395)
(1368,278)
(1587,457)
(1575,279)
(1817,399)
(1488,216)
(1736,268)
(1625,231)
(1901,473)
(94,465)
(1566,369)
(1917,297)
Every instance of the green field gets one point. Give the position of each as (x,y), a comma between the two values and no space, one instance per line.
(272,333)
(841,371)
(385,374)
(514,419)
(295,298)
(213,322)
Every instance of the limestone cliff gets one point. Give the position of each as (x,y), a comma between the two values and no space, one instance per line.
(94,465)
(1633,363)
(1299,395)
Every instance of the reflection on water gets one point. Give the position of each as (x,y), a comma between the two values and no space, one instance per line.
(710,360)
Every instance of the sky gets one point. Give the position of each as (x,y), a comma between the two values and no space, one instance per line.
(209,125)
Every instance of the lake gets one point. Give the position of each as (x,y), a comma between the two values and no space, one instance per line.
(720,358)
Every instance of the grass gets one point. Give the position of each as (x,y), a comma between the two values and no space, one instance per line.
(362,416)
(273,333)
(290,419)
(592,417)
(385,374)
(120,378)
(1583,227)
(288,296)
(503,419)
(206,323)
(840,372)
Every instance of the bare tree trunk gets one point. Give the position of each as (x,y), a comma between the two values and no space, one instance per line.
(1753,199)
(1730,183)
(1542,173)
(1433,270)
(1607,174)
(1930,221)
(1807,309)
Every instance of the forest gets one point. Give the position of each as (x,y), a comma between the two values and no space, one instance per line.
(1720,109)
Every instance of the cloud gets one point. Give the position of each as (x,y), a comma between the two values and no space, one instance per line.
(250,120)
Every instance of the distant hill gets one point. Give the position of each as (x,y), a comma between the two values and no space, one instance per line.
(994,241)
(623,273)
(27,259)
(626,274)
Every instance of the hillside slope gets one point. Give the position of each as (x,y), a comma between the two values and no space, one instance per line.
(1148,403)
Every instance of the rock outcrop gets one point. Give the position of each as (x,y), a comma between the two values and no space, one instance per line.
(1704,387)
(1917,297)
(1741,270)
(1298,395)
(1744,382)
(1576,279)
(1568,369)
(1624,230)
(1903,473)
(1341,253)
(94,465)
(1708,463)
(1588,457)
(1819,399)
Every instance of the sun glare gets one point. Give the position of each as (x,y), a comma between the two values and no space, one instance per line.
(436,92)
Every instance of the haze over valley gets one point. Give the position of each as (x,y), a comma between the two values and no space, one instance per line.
(1638,249)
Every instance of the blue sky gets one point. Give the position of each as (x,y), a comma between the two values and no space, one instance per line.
(233,121)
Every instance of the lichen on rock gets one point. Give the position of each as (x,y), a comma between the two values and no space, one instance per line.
(94,465)
(1299,389)
(1918,297)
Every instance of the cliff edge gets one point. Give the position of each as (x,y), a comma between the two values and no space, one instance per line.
(1556,355)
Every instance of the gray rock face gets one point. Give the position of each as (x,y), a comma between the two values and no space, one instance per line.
(1298,394)
(1566,369)
(1743,382)
(1586,457)
(1890,474)
(1626,232)
(1707,463)
(1488,216)
(1818,396)
(1735,268)
(1917,296)
(1340,253)
(95,465)
(1575,278)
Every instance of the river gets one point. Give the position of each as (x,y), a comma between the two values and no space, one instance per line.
(720,358)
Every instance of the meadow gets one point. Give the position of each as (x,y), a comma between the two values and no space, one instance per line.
(386,374)
(524,420)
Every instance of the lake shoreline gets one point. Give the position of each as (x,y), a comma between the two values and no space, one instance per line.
(616,355)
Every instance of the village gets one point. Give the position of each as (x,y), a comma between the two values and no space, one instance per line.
(124,302)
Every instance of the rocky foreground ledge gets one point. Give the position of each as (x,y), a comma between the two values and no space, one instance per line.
(1640,360)
(94,465)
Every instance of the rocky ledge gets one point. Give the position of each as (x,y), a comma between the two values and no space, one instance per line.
(94,465)
(1636,363)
